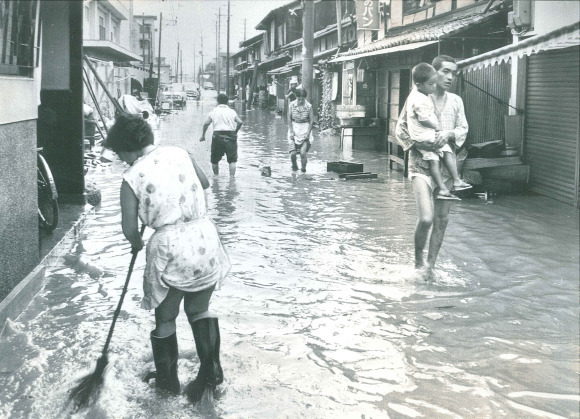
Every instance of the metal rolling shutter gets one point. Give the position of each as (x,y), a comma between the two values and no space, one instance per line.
(551,136)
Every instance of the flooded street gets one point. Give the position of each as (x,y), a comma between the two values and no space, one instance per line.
(323,314)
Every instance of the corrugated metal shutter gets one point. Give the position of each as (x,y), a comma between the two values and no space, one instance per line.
(494,80)
(551,136)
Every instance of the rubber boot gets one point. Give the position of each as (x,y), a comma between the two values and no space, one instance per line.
(165,356)
(207,341)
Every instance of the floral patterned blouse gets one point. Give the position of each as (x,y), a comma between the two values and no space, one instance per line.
(167,187)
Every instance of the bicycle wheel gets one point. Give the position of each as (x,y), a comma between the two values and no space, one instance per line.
(47,197)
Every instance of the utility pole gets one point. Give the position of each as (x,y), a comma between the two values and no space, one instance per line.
(177,65)
(143,39)
(159,53)
(307,46)
(217,61)
(216,55)
(151,52)
(193,79)
(201,52)
(181,67)
(228,54)
(339,22)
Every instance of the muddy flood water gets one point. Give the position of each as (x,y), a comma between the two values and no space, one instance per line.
(323,314)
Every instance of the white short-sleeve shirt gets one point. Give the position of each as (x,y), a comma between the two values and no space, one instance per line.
(223,118)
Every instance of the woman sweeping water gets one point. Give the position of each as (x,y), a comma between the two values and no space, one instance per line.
(164,188)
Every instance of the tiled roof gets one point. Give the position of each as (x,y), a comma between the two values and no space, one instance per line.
(429,32)
(267,18)
(274,58)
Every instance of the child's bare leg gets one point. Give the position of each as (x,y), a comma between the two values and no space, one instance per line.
(451,164)
(436,174)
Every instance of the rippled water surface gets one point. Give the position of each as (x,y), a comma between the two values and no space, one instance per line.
(323,314)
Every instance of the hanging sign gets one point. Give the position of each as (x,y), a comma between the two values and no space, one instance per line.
(367,15)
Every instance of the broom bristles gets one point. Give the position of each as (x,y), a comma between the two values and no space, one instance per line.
(87,390)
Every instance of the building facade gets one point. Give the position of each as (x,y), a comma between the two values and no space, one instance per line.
(543,61)
(107,44)
(41,92)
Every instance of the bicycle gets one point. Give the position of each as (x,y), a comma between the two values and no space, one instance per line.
(47,195)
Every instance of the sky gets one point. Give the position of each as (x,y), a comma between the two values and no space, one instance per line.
(187,21)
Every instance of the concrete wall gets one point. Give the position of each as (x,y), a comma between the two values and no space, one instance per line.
(18,207)
(62,93)
(56,45)
(549,15)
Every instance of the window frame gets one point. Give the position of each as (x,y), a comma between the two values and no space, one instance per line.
(19,57)
(409,8)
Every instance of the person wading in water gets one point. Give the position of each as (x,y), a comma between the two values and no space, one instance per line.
(434,213)
(164,188)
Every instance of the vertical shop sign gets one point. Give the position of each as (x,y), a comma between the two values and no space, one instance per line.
(367,15)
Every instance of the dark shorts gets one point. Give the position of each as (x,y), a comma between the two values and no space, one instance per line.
(224,142)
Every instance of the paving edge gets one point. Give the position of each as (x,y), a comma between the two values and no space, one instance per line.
(21,296)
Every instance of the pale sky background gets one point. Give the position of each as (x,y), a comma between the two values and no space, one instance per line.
(197,18)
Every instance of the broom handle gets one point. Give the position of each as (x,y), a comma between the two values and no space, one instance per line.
(118,310)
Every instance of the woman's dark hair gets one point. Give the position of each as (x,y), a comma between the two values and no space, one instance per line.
(129,133)
(300,92)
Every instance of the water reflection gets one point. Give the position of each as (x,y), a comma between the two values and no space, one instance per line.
(223,199)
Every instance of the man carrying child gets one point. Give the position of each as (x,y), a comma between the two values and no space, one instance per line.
(423,123)
(434,213)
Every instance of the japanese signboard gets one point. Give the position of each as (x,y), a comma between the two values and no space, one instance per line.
(367,15)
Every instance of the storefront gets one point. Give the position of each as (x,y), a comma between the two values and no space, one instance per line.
(549,84)
(551,123)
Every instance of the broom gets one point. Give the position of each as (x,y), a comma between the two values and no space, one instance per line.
(87,391)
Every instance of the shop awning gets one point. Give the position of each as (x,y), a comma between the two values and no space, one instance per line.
(568,36)
(282,70)
(274,61)
(398,48)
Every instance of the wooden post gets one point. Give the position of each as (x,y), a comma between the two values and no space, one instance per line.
(338,22)
(307,45)
(228,54)
(159,52)
(254,83)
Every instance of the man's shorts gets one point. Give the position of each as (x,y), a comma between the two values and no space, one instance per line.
(224,142)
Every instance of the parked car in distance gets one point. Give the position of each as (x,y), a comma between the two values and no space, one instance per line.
(208,85)
(192,90)
(173,96)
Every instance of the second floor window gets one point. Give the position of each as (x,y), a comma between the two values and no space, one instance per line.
(412,6)
(102,29)
(18,38)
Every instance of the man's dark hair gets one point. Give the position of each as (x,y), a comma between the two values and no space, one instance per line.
(300,92)
(222,99)
(422,72)
(440,59)
(129,133)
